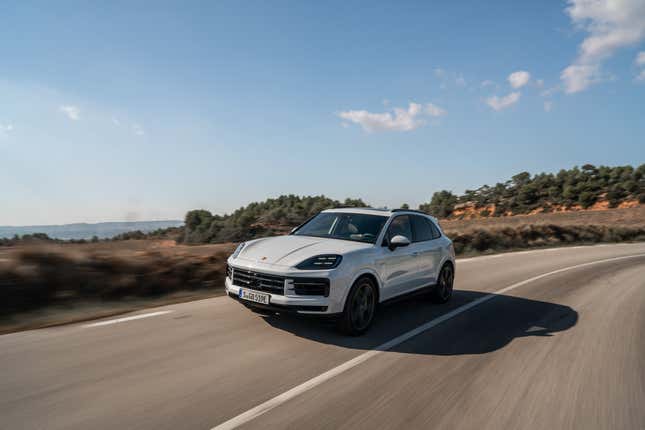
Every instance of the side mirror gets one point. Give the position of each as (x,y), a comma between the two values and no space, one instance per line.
(398,241)
(293,229)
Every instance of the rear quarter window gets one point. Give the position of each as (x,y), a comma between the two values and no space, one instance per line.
(422,229)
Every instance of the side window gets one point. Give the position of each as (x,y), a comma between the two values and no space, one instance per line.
(436,234)
(400,226)
(422,229)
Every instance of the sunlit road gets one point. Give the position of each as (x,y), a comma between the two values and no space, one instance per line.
(562,350)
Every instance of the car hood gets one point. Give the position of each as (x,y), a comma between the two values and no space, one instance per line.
(292,250)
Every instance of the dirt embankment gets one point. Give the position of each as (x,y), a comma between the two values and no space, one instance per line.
(467,211)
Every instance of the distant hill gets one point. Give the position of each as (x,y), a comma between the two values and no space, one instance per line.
(102,230)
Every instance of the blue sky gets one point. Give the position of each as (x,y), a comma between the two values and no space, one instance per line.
(144,110)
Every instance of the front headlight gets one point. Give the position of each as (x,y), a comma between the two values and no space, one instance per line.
(320,262)
(239,249)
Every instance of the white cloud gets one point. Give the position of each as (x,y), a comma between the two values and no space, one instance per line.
(434,110)
(550,91)
(460,81)
(5,129)
(640,58)
(578,77)
(116,121)
(499,103)
(138,130)
(439,72)
(402,120)
(72,112)
(519,79)
(548,105)
(611,25)
(487,83)
(539,83)
(641,76)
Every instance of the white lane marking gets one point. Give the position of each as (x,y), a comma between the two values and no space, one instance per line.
(532,251)
(124,319)
(308,385)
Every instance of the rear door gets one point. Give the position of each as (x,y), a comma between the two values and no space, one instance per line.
(428,248)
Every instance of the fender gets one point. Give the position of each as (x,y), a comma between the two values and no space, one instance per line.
(445,259)
(365,271)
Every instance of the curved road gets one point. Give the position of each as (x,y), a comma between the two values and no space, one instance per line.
(546,339)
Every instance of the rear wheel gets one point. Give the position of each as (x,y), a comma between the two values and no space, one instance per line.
(360,308)
(442,292)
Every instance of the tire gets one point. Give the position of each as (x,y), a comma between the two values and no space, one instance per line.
(442,292)
(360,308)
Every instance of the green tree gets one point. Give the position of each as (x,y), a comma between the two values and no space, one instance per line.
(441,205)
(586,199)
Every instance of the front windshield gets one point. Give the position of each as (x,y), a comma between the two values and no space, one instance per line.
(341,225)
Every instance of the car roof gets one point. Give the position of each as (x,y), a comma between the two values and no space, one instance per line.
(377,211)
(367,211)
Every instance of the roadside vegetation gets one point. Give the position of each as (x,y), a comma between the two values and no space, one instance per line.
(538,236)
(63,276)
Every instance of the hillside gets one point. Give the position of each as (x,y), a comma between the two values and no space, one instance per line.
(102,230)
(586,188)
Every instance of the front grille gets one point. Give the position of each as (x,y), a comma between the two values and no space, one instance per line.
(258,281)
(311,286)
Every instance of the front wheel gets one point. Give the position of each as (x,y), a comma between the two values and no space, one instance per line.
(360,308)
(442,292)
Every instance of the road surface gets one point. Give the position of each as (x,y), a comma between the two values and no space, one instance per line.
(547,339)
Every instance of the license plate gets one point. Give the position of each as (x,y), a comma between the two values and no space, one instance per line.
(254,296)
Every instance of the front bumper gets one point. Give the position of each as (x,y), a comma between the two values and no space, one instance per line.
(284,309)
(314,305)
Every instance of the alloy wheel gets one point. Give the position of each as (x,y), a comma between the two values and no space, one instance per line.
(446,278)
(362,306)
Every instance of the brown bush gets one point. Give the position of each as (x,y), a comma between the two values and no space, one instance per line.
(38,277)
(530,236)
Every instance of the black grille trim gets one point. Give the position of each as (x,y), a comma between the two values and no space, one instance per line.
(258,281)
(311,286)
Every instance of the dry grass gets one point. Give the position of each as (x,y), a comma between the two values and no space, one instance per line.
(101,277)
(627,217)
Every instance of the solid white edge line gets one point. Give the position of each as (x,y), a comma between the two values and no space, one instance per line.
(317,380)
(124,319)
(532,251)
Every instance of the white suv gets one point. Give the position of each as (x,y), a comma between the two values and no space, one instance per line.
(343,262)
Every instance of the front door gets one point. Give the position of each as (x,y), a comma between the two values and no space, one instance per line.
(398,267)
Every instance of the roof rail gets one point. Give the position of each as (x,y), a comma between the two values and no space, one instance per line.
(408,210)
(358,207)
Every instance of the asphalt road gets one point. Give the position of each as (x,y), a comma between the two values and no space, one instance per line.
(537,339)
